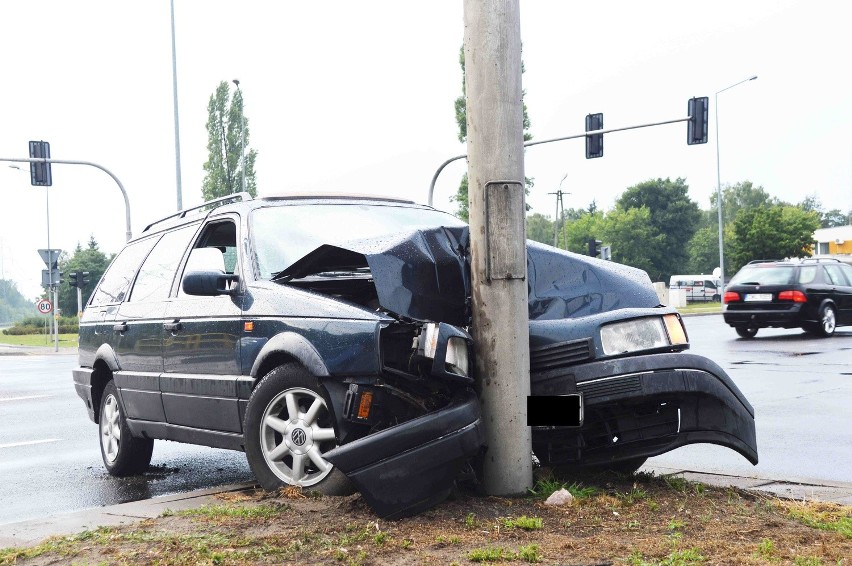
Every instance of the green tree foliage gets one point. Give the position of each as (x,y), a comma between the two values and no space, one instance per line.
(225,133)
(771,232)
(737,197)
(461,197)
(90,259)
(13,305)
(703,250)
(834,218)
(632,235)
(540,228)
(674,218)
(576,233)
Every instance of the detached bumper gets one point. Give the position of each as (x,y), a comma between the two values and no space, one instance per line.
(645,406)
(410,467)
(83,386)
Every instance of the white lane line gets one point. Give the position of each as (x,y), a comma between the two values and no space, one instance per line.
(28,443)
(25,398)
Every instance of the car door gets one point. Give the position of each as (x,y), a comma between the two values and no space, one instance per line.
(138,326)
(841,290)
(201,342)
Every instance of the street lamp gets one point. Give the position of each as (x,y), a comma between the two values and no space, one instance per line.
(242,133)
(719,183)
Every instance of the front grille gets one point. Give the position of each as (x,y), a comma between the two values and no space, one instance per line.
(607,387)
(560,355)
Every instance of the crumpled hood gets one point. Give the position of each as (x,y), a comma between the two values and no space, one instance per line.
(425,275)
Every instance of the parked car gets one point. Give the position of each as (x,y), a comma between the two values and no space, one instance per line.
(328,338)
(812,294)
(699,288)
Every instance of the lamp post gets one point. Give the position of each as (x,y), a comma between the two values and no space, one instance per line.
(177,121)
(719,184)
(242,135)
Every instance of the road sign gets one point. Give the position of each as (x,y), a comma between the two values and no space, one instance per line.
(44,306)
(50,257)
(50,277)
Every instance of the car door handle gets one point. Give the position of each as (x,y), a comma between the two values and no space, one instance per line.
(172,326)
(120,327)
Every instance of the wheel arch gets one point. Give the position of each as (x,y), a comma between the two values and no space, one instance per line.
(288,347)
(103,368)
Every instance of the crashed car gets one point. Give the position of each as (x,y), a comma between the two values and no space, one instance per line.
(328,338)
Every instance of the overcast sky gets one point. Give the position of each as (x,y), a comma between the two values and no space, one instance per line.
(358,97)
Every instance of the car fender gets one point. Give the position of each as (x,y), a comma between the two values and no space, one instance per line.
(295,346)
(107,354)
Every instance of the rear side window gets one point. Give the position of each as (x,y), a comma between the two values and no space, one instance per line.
(807,274)
(847,270)
(158,272)
(119,275)
(835,275)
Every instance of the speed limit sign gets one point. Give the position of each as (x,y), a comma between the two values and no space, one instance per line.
(44,306)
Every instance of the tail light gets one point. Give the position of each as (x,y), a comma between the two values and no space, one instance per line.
(731,297)
(795,296)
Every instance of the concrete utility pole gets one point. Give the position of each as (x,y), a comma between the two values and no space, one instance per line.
(492,50)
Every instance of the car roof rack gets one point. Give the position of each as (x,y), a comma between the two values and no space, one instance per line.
(820,259)
(765,261)
(215,203)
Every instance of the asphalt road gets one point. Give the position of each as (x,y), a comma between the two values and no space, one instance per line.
(50,461)
(801,389)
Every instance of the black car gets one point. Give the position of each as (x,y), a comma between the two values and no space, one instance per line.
(328,338)
(812,294)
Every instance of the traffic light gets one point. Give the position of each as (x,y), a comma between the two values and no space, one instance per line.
(78,279)
(84,279)
(40,174)
(696,131)
(72,279)
(594,247)
(594,143)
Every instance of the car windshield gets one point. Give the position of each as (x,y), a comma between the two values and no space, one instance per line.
(764,274)
(284,234)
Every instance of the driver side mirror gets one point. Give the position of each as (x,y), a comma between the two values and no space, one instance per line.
(210,283)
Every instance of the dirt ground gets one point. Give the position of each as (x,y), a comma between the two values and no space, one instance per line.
(616,520)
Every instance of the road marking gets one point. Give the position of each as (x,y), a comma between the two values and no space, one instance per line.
(28,443)
(24,398)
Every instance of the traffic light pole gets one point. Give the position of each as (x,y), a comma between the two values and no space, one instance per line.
(128,234)
(539,142)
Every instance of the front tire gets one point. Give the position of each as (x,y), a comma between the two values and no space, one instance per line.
(288,427)
(123,454)
(746,331)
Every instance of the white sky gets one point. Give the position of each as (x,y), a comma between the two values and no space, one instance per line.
(358,97)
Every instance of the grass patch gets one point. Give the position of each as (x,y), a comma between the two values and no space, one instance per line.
(524,522)
(822,516)
(544,488)
(701,308)
(687,557)
(227,511)
(65,340)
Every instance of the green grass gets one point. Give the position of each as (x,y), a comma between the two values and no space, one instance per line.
(523,522)
(544,488)
(700,308)
(65,340)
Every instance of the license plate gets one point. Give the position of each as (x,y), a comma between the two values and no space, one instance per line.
(555,410)
(757,297)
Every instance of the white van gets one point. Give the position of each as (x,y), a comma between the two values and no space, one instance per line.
(698,287)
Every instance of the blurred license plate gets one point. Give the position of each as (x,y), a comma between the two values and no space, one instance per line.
(555,410)
(751,297)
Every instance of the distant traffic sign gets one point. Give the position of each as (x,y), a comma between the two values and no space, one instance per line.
(44,306)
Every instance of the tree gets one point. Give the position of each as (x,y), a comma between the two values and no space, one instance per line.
(771,232)
(461,197)
(13,305)
(739,196)
(90,259)
(540,228)
(227,128)
(703,250)
(632,235)
(834,218)
(674,217)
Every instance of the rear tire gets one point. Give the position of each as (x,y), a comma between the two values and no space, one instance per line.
(123,454)
(746,331)
(827,321)
(288,427)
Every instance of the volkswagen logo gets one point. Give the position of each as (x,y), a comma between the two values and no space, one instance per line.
(299,437)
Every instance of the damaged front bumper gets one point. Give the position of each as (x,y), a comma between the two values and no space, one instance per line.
(643,406)
(410,467)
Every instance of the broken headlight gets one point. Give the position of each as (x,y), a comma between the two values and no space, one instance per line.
(447,344)
(650,333)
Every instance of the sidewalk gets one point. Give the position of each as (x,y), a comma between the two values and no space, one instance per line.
(31,532)
(13,350)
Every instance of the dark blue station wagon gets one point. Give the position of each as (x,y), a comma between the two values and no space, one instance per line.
(329,339)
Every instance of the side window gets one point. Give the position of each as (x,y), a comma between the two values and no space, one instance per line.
(847,271)
(835,275)
(709,284)
(807,274)
(158,271)
(215,247)
(116,280)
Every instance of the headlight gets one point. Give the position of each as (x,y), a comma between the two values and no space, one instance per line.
(455,360)
(457,356)
(642,334)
